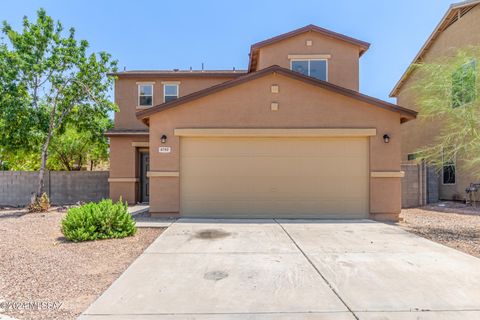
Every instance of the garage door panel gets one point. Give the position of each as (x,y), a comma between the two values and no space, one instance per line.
(275,166)
(289,147)
(274,177)
(284,208)
(277,187)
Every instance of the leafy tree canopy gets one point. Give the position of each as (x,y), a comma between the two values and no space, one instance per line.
(49,83)
(72,150)
(447,94)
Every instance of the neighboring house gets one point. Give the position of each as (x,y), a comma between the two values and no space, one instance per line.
(459,28)
(290,137)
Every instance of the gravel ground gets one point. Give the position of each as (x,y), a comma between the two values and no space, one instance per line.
(452,224)
(38,264)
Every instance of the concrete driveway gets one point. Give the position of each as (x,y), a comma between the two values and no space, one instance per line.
(293,269)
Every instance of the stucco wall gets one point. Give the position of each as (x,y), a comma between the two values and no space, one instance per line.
(126,95)
(420,133)
(300,106)
(124,170)
(343,65)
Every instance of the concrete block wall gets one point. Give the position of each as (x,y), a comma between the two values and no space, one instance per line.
(410,186)
(419,186)
(16,187)
(63,187)
(433,182)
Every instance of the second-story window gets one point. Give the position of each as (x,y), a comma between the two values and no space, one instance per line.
(316,68)
(170,92)
(145,95)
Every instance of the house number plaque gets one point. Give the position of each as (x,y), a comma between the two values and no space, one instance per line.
(165,149)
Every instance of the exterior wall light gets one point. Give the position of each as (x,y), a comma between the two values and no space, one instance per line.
(163,139)
(386,138)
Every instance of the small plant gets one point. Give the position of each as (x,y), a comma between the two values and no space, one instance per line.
(39,204)
(94,221)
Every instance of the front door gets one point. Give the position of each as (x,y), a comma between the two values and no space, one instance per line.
(144,168)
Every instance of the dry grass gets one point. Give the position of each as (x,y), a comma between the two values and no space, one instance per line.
(37,264)
(451,224)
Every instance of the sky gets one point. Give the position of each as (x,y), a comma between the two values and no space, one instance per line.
(148,34)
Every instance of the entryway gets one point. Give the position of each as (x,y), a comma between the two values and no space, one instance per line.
(144,181)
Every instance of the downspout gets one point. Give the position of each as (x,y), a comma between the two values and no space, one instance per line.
(420,183)
(425,183)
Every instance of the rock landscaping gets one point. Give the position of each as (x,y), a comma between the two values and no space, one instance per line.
(44,276)
(453,224)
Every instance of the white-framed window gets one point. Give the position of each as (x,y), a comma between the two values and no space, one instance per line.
(316,68)
(448,170)
(145,94)
(170,91)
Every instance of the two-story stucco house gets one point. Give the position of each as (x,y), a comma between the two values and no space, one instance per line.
(459,28)
(290,137)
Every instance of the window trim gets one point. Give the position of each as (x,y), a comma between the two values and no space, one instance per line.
(173,83)
(454,161)
(138,94)
(309,56)
(311,59)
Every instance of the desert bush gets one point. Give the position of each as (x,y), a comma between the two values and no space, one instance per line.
(39,204)
(94,221)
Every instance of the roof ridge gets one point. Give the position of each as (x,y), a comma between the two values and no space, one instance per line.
(183,70)
(310,27)
(274,68)
(170,73)
(433,36)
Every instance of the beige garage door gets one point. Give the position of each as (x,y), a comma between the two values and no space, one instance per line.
(274,177)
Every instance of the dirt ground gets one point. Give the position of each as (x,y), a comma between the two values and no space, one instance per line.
(38,265)
(453,224)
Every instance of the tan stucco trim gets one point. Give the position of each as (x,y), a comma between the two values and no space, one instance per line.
(170,82)
(123,179)
(152,174)
(126,133)
(330,132)
(146,82)
(140,144)
(387,174)
(309,56)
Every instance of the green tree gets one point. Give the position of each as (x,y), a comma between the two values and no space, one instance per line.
(447,94)
(49,81)
(18,160)
(73,149)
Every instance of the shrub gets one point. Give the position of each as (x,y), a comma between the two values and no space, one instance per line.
(39,204)
(93,221)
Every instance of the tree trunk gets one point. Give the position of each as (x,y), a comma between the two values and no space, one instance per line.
(43,164)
